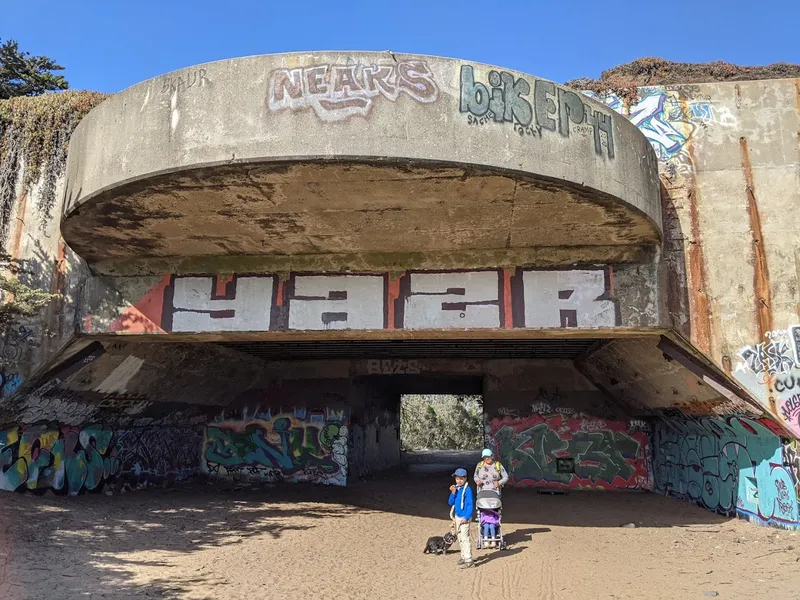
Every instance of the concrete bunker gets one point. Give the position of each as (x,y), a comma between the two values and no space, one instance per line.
(299,239)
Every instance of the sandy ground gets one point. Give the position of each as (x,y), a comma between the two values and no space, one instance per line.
(366,541)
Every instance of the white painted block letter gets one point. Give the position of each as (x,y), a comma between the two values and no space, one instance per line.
(337,302)
(453,301)
(195,309)
(566,299)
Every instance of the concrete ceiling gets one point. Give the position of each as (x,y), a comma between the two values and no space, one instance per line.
(323,208)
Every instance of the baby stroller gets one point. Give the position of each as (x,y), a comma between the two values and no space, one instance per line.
(490,508)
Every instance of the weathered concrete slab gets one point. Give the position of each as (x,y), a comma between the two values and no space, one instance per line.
(327,154)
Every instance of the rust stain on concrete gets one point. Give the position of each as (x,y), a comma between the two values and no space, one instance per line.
(22,204)
(700,306)
(797,93)
(57,283)
(763,296)
(701,312)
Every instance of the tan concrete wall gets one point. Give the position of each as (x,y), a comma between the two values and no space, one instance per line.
(48,263)
(729,160)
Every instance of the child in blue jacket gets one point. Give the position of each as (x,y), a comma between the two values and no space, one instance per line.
(463,505)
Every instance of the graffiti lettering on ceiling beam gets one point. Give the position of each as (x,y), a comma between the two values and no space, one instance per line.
(507,99)
(336,302)
(338,92)
(206,304)
(422,300)
(448,300)
(566,299)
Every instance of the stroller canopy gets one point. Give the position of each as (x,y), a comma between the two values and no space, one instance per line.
(488,500)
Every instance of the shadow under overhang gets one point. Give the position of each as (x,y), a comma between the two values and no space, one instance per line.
(325,214)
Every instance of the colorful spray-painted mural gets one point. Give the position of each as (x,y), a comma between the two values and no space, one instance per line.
(732,466)
(45,457)
(562,450)
(73,460)
(282,445)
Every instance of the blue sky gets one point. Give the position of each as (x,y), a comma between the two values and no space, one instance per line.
(112,44)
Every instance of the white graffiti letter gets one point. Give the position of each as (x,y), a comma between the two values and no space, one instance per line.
(337,302)
(247,306)
(453,300)
(566,299)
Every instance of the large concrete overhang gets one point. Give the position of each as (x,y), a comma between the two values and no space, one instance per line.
(318,160)
(155,381)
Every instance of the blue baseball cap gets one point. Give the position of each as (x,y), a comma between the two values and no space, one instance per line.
(486,453)
(460,473)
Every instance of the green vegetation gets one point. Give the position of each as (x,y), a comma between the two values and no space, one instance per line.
(35,127)
(441,422)
(24,75)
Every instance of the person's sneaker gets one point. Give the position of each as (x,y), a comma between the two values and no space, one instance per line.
(460,561)
(466,564)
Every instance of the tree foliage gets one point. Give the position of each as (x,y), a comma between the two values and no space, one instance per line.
(441,422)
(16,298)
(34,130)
(22,74)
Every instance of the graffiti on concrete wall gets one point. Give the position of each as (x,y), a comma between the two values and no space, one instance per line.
(73,460)
(532,106)
(791,460)
(670,118)
(770,370)
(560,450)
(496,298)
(338,92)
(779,354)
(731,466)
(158,455)
(16,342)
(298,445)
(62,459)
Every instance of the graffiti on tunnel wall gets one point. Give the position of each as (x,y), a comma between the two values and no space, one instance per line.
(152,455)
(733,466)
(770,370)
(66,460)
(496,298)
(598,454)
(72,460)
(285,445)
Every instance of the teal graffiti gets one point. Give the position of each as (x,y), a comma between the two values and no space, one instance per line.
(44,457)
(300,447)
(731,466)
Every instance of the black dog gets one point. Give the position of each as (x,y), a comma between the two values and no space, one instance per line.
(439,544)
